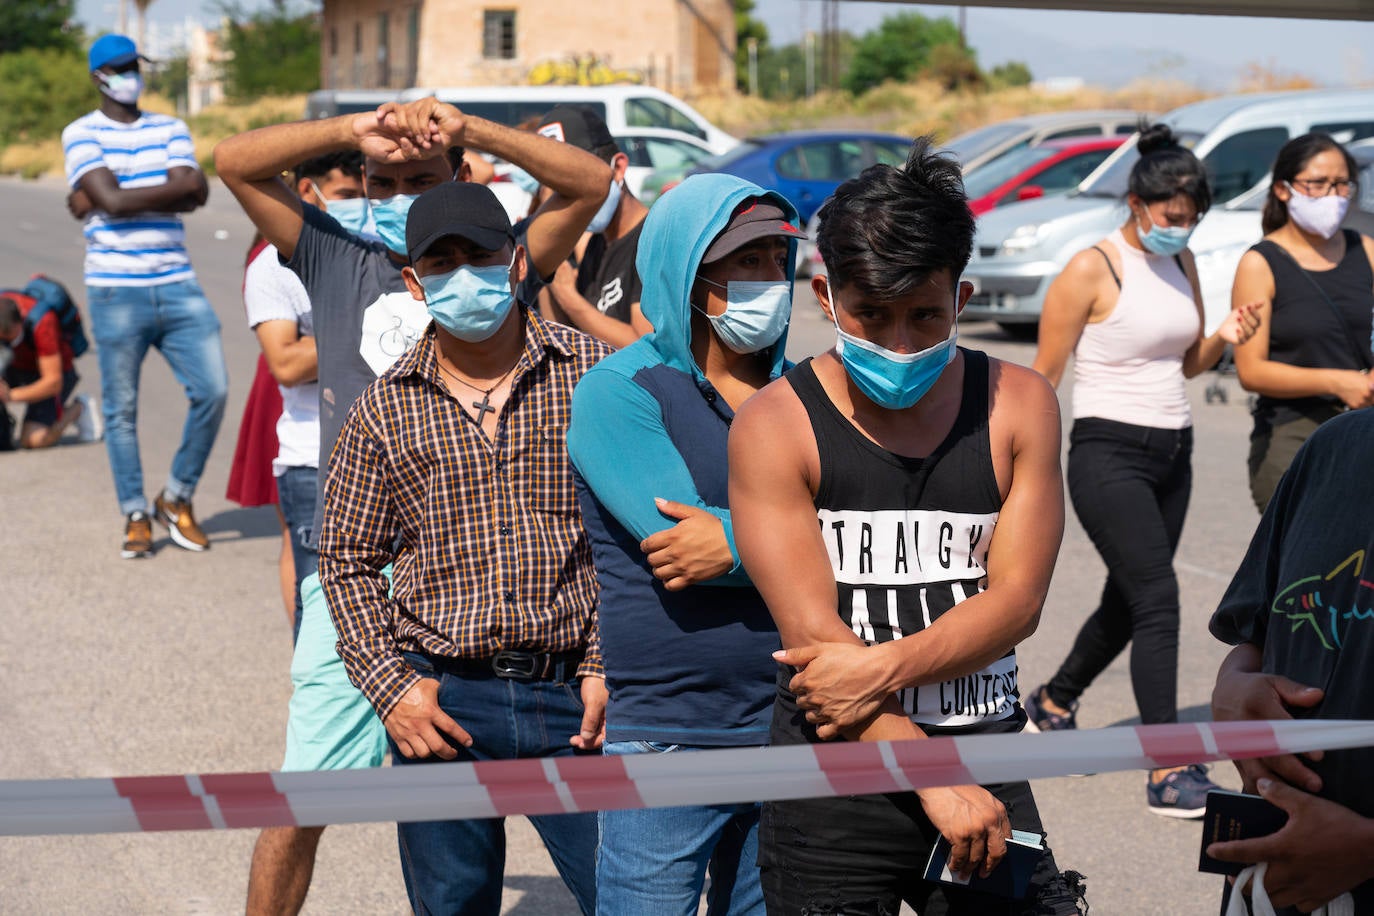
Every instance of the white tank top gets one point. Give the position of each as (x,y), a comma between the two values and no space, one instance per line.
(1129,366)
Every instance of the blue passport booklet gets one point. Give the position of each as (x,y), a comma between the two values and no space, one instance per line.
(1012,876)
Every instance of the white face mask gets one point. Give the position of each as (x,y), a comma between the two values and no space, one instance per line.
(124,88)
(1318,215)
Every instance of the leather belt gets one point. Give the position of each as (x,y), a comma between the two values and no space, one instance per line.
(517,665)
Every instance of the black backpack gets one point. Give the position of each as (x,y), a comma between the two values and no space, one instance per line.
(50,296)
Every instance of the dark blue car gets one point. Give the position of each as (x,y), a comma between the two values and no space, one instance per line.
(806,166)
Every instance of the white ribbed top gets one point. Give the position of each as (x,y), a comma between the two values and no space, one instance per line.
(1129,366)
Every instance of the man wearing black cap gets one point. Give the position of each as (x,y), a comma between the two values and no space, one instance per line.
(132,173)
(600,295)
(685,637)
(452,467)
(364,320)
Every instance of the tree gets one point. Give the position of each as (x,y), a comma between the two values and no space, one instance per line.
(171,80)
(953,66)
(44,91)
(1012,73)
(39,24)
(272,52)
(898,49)
(746,28)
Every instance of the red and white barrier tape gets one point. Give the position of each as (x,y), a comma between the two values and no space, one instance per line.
(221,801)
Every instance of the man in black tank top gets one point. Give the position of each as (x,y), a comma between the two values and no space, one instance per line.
(898,502)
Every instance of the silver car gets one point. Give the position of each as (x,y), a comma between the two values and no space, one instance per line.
(982,145)
(1022,247)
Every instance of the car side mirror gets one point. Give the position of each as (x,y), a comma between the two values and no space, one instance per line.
(1030,192)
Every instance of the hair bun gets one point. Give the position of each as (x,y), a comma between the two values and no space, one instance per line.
(1156,137)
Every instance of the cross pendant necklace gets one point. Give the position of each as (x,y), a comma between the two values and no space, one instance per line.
(483,407)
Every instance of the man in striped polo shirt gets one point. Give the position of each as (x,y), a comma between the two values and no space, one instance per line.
(132,173)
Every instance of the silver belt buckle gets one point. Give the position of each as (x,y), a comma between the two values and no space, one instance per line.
(515,665)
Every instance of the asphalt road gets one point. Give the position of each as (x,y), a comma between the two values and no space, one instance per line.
(180,663)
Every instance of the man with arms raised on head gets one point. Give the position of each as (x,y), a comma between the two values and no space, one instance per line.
(364,319)
(600,295)
(934,473)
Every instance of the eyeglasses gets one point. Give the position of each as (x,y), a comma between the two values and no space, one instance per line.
(1321,187)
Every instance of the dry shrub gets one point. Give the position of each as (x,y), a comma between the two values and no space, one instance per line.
(32,159)
(924,107)
(1267,77)
(213,124)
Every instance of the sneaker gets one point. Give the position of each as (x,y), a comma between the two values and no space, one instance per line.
(1183,793)
(1040,719)
(138,536)
(181,525)
(90,426)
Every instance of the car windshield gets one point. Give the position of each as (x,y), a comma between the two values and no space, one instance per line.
(1113,182)
(716,163)
(985,180)
(969,146)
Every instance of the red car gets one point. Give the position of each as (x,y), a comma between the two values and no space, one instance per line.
(1053,167)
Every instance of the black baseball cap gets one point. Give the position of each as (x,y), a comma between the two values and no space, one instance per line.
(753,219)
(578,125)
(459,208)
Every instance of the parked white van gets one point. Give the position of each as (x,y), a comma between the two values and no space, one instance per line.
(1022,247)
(624,108)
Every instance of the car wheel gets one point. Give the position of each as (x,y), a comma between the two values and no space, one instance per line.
(1022,331)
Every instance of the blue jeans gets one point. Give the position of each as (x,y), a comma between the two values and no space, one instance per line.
(454,867)
(656,860)
(177,320)
(296,488)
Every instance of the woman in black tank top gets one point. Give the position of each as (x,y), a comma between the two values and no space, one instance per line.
(1311,358)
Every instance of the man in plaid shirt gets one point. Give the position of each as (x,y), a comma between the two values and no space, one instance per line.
(452,466)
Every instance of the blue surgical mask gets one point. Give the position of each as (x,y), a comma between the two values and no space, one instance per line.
(1165,240)
(350,212)
(471,303)
(892,380)
(124,88)
(523,180)
(607,211)
(390,218)
(756,314)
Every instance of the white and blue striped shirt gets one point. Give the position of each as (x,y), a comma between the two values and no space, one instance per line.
(144,249)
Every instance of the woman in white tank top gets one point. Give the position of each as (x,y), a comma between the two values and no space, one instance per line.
(1130,312)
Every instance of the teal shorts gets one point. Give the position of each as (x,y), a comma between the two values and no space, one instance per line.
(331,725)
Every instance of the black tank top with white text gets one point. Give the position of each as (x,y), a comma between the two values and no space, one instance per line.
(908,539)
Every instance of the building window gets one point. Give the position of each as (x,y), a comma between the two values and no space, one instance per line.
(357,38)
(333,41)
(412,45)
(383,50)
(498,34)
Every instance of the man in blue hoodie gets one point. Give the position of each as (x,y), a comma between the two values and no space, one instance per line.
(648,440)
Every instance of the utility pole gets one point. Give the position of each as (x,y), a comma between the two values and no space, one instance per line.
(753,46)
(810,64)
(124,17)
(830,39)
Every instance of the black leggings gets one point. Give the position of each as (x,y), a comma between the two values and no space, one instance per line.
(1130,486)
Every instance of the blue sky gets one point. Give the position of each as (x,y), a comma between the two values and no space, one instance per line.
(1104,48)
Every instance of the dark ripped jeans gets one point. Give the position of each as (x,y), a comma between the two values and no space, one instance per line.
(864,855)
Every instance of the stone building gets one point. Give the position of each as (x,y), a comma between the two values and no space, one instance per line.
(683,46)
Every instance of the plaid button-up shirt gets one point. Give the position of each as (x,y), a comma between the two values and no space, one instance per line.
(492,554)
